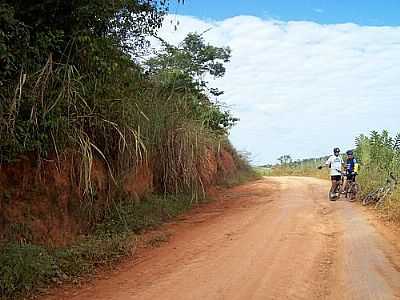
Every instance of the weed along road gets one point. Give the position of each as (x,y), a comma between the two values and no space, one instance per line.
(276,238)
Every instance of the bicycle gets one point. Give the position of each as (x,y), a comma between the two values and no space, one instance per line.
(379,195)
(351,189)
(337,191)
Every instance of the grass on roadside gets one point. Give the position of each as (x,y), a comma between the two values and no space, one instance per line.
(293,171)
(25,267)
(240,177)
(391,207)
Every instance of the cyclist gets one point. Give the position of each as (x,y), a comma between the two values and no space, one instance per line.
(335,164)
(351,169)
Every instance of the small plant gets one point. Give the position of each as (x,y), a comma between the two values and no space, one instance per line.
(85,256)
(23,266)
(157,240)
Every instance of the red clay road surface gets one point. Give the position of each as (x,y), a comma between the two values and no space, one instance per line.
(276,238)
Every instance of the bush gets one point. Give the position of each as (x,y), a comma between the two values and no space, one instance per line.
(68,84)
(379,155)
(23,266)
(85,256)
(127,216)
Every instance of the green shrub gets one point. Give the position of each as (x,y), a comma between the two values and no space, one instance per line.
(85,256)
(23,267)
(379,155)
(68,84)
(127,216)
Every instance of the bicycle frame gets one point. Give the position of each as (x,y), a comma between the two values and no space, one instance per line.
(378,196)
(336,193)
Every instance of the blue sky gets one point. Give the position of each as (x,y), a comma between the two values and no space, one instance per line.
(363,12)
(304,76)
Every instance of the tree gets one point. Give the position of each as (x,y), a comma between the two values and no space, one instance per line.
(285,160)
(72,30)
(192,59)
(183,68)
(396,144)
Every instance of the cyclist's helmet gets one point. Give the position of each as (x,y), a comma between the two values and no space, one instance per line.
(349,152)
(336,150)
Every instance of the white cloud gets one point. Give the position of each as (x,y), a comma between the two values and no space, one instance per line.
(300,87)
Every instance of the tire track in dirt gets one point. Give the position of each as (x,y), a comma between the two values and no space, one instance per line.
(277,238)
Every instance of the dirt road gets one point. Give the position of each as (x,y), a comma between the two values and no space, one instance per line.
(277,238)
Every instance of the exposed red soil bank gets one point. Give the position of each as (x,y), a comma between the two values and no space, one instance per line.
(46,205)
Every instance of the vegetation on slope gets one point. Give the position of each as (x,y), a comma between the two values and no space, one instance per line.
(379,155)
(68,81)
(25,266)
(70,84)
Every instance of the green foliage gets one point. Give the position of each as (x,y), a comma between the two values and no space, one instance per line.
(244,172)
(285,159)
(379,156)
(25,267)
(68,84)
(14,36)
(300,167)
(126,216)
(22,266)
(298,170)
(193,58)
(81,91)
(101,249)
(71,30)
(58,70)
(183,69)
(263,170)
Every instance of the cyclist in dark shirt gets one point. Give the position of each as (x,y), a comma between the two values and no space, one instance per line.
(352,168)
(351,165)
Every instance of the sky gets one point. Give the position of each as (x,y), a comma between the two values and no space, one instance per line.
(304,76)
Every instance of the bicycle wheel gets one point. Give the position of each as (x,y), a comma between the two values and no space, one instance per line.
(354,191)
(331,197)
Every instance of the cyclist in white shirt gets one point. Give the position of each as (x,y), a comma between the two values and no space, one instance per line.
(335,163)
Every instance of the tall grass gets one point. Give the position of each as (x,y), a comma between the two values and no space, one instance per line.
(56,109)
(124,122)
(89,101)
(379,155)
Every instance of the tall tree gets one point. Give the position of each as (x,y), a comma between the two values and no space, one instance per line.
(194,59)
(185,68)
(31,30)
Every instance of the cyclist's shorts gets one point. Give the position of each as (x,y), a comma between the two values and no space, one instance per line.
(351,177)
(336,178)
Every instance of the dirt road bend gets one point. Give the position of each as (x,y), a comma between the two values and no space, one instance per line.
(276,238)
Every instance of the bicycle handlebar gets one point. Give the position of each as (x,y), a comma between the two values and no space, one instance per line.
(341,172)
